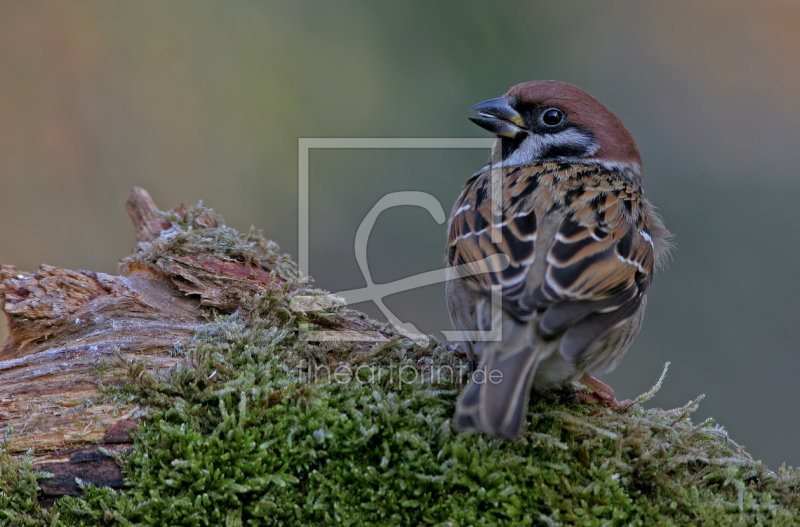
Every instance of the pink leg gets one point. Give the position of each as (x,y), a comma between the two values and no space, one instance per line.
(602,393)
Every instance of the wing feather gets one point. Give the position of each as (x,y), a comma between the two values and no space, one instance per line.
(598,264)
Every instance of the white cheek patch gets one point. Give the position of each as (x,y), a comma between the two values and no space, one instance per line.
(534,146)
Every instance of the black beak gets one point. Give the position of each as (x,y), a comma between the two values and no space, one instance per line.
(497,116)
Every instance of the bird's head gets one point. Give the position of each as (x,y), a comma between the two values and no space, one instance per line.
(555,121)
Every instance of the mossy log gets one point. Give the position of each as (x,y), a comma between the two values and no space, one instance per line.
(197,384)
(72,333)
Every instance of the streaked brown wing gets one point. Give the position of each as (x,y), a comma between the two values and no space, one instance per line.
(492,254)
(597,275)
(598,266)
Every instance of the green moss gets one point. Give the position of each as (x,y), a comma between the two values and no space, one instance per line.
(261,428)
(18,491)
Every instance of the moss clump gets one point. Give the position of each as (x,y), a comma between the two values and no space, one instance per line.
(19,503)
(259,427)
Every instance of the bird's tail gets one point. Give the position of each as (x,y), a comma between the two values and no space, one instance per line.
(495,400)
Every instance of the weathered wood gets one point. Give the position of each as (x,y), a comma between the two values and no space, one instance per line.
(89,465)
(142,211)
(73,332)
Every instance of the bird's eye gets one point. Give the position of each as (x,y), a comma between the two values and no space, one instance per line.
(552,117)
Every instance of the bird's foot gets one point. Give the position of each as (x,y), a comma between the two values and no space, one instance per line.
(601,394)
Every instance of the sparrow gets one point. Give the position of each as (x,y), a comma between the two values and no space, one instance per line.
(551,249)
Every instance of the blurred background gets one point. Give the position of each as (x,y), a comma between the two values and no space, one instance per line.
(206,101)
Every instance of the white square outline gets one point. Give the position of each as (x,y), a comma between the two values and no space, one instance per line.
(305,144)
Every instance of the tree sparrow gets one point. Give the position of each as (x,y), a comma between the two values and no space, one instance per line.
(551,249)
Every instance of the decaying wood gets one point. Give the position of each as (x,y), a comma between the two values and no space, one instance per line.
(142,211)
(72,332)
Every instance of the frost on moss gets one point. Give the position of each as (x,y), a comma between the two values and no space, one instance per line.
(260,427)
